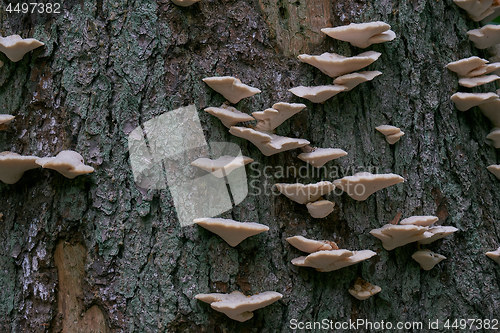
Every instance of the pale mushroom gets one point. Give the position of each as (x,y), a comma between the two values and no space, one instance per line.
(5,119)
(362,34)
(317,94)
(485,69)
(392,133)
(320,156)
(465,101)
(236,305)
(15,47)
(495,169)
(434,233)
(267,143)
(230,87)
(363,290)
(477,9)
(464,67)
(327,261)
(271,118)
(185,3)
(311,245)
(491,110)
(303,194)
(427,259)
(320,209)
(393,236)
(221,166)
(350,81)
(494,255)
(13,166)
(229,115)
(471,82)
(363,184)
(486,36)
(494,136)
(68,163)
(334,65)
(423,221)
(231,231)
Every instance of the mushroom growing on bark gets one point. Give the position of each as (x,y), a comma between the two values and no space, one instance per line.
(486,36)
(5,119)
(363,184)
(350,81)
(230,87)
(464,67)
(221,166)
(334,65)
(495,169)
(15,47)
(494,136)
(362,34)
(320,156)
(465,101)
(13,166)
(304,194)
(363,290)
(229,115)
(236,305)
(232,232)
(68,163)
(392,133)
(477,9)
(427,259)
(471,82)
(494,255)
(317,94)
(310,245)
(320,209)
(271,118)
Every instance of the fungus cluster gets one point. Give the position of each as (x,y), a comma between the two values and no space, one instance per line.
(392,133)
(15,47)
(310,195)
(479,9)
(363,290)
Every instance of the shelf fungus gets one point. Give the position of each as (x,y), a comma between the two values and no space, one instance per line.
(465,101)
(185,3)
(491,110)
(477,9)
(326,260)
(363,184)
(15,47)
(236,305)
(494,255)
(304,194)
(363,290)
(427,259)
(230,87)
(13,166)
(362,34)
(334,65)
(392,133)
(494,136)
(495,169)
(486,36)
(320,156)
(471,82)
(423,221)
(228,115)
(232,232)
(68,163)
(320,209)
(472,67)
(271,118)
(317,94)
(269,144)
(352,80)
(5,120)
(221,166)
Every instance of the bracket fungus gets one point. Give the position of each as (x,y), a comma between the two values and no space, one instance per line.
(363,290)
(5,119)
(334,65)
(326,260)
(494,169)
(352,80)
(236,305)
(320,209)
(271,118)
(494,255)
(228,115)
(423,221)
(494,136)
(465,101)
(317,94)
(392,133)
(464,67)
(230,87)
(362,34)
(13,166)
(363,184)
(486,36)
(185,3)
(68,163)
(320,156)
(303,194)
(221,166)
(477,9)
(15,47)
(471,82)
(427,259)
(267,143)
(233,232)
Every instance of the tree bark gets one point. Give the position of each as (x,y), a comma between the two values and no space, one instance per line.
(124,260)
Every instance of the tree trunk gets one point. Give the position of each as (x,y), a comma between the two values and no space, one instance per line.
(124,263)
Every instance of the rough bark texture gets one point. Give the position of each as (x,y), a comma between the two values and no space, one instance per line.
(107,67)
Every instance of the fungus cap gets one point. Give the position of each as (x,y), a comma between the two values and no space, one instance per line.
(494,169)
(471,82)
(236,305)
(484,69)
(350,81)
(464,67)
(13,166)
(362,34)
(327,261)
(221,166)
(320,156)
(271,118)
(320,209)
(230,87)
(486,36)
(363,184)
(5,119)
(229,115)
(15,47)
(68,163)
(392,133)
(434,233)
(363,290)
(494,255)
(393,236)
(427,259)
(465,101)
(477,9)
(303,194)
(311,245)
(423,221)
(232,232)
(494,136)
(185,3)
(334,65)
(317,94)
